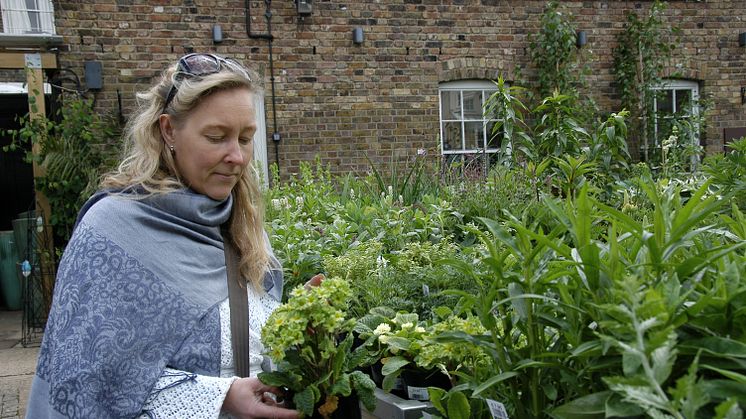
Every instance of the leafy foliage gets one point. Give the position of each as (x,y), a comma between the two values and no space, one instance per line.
(75,147)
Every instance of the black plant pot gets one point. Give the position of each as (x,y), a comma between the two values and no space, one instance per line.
(377,376)
(416,382)
(347,407)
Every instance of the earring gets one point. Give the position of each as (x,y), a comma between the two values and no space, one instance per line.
(171,147)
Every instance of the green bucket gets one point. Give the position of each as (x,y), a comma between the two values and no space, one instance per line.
(25,242)
(9,281)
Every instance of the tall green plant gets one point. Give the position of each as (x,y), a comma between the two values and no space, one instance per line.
(558,130)
(554,54)
(75,147)
(643,49)
(505,107)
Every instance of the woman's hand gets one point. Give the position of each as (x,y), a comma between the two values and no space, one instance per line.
(247,398)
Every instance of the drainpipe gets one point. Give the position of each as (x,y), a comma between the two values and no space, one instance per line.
(268,36)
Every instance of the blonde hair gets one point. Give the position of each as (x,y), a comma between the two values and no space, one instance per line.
(149,164)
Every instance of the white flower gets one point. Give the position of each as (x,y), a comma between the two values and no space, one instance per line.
(407,325)
(276,204)
(421,152)
(381,262)
(391,190)
(382,329)
(419,329)
(352,193)
(299,201)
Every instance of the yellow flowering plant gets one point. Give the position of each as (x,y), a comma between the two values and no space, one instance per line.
(310,340)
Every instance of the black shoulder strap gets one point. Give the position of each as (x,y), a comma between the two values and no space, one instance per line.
(239,305)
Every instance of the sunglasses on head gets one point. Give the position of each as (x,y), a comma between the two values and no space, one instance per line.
(200,65)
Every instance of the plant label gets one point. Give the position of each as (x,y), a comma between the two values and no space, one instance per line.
(497,409)
(418,393)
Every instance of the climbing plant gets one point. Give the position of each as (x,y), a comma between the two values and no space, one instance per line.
(554,53)
(643,50)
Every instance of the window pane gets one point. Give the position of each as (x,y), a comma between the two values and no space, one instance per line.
(493,139)
(664,102)
(452,136)
(472,104)
(451,108)
(474,135)
(683,101)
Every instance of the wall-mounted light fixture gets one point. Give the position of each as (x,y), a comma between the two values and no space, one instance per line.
(304,7)
(581,38)
(217,34)
(742,39)
(743,95)
(357,36)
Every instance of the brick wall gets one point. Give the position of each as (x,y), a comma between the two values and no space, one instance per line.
(340,100)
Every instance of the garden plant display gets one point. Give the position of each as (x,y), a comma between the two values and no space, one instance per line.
(310,339)
(624,300)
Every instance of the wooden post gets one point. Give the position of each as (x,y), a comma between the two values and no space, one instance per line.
(37,111)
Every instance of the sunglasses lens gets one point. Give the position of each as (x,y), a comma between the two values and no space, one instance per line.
(200,64)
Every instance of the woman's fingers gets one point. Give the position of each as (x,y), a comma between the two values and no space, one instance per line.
(266,411)
(248,398)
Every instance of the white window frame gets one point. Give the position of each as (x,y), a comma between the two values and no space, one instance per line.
(487,88)
(260,140)
(28,17)
(674,85)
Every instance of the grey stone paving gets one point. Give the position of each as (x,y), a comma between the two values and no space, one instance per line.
(17,366)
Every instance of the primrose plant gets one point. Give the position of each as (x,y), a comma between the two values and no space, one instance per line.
(310,339)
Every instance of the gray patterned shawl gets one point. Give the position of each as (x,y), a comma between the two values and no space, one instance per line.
(137,289)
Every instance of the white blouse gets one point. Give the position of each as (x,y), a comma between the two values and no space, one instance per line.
(179,394)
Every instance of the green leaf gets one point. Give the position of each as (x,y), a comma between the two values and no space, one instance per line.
(740,378)
(616,407)
(306,399)
(519,304)
(723,389)
(586,407)
(728,409)
(458,406)
(717,345)
(588,348)
(393,364)
(390,380)
(492,381)
(400,343)
(436,396)
(342,386)
(364,388)
(275,378)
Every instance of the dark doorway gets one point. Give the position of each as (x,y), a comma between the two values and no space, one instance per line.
(16,176)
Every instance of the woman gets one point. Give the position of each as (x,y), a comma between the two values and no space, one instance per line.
(139,325)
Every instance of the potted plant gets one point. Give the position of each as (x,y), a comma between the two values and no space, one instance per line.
(411,353)
(310,340)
